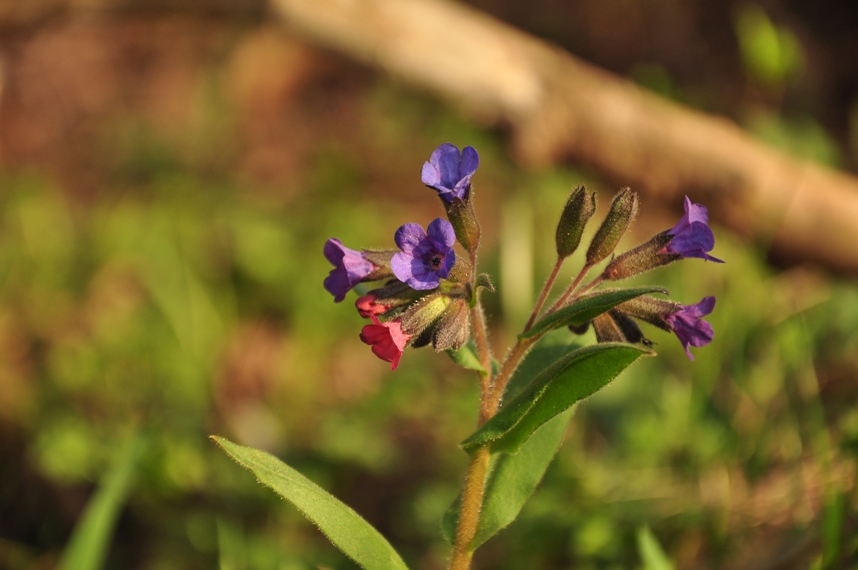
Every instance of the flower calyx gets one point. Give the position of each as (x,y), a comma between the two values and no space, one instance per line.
(578,210)
(623,210)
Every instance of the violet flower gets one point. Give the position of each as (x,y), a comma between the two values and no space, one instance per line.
(689,328)
(692,236)
(449,172)
(386,339)
(425,259)
(350,268)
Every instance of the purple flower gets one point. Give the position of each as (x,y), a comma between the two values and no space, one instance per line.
(689,328)
(449,173)
(692,237)
(424,259)
(350,268)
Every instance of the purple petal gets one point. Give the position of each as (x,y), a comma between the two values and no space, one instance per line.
(400,264)
(695,212)
(430,175)
(446,160)
(409,236)
(689,328)
(470,162)
(350,268)
(441,231)
(447,264)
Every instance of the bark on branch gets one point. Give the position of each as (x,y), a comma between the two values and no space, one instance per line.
(559,107)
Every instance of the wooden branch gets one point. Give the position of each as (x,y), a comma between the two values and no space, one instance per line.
(559,107)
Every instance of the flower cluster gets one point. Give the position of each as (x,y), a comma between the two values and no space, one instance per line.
(428,290)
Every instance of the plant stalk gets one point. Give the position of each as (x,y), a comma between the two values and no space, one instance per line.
(544,294)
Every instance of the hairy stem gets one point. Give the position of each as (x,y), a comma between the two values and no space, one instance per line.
(546,289)
(568,293)
(469,515)
(485,357)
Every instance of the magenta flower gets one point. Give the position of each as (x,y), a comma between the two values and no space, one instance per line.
(350,268)
(449,172)
(425,259)
(386,339)
(689,328)
(692,236)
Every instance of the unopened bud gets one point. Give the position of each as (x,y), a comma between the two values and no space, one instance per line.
(464,220)
(578,210)
(422,314)
(619,218)
(641,259)
(454,327)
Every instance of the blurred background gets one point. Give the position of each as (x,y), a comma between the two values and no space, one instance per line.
(169,173)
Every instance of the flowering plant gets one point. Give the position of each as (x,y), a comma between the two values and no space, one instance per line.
(429,294)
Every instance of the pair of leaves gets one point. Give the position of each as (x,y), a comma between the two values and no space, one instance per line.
(355,537)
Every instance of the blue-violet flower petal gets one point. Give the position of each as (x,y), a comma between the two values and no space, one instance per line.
(426,258)
(449,172)
(689,327)
(350,268)
(692,236)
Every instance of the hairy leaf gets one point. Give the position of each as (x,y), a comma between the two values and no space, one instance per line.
(574,377)
(587,308)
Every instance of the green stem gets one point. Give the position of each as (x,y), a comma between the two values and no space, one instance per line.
(568,293)
(544,294)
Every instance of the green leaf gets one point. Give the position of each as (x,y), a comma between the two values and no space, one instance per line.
(466,357)
(652,556)
(355,537)
(587,308)
(512,481)
(574,377)
(90,541)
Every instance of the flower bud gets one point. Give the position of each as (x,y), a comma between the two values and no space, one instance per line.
(619,218)
(641,259)
(422,314)
(578,210)
(454,327)
(461,214)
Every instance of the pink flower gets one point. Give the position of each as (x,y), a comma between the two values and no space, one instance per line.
(368,306)
(386,339)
